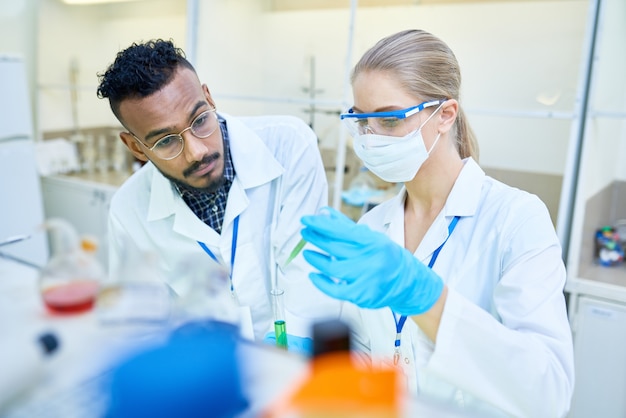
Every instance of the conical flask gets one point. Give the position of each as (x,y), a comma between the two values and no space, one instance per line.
(69,282)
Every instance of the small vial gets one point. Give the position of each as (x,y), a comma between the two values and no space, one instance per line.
(280,326)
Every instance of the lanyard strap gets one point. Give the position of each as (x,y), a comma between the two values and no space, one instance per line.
(233,250)
(400,322)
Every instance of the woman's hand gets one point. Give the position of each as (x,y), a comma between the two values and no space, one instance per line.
(366,268)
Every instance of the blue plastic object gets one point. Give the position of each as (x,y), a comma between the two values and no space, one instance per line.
(295,344)
(195,374)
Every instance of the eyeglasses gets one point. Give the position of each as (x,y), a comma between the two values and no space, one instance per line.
(391,123)
(170,146)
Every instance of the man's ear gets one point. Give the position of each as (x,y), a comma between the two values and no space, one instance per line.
(447,116)
(134,146)
(207,95)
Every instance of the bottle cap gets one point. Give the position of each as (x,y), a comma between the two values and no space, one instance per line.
(49,342)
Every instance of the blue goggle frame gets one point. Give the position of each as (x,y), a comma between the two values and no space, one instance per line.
(400,114)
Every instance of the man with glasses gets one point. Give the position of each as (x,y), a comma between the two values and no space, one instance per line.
(215,189)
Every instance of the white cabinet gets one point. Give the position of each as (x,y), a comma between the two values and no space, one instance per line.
(600,358)
(597,295)
(85,204)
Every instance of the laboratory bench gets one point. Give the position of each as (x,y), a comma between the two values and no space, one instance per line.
(600,281)
(107,179)
(67,383)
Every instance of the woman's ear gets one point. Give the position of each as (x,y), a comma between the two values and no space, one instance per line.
(133,145)
(447,117)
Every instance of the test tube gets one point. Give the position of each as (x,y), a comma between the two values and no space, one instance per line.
(280,326)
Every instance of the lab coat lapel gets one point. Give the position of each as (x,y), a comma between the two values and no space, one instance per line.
(254,165)
(394,219)
(462,201)
(165,202)
(253,161)
(237,202)
(435,236)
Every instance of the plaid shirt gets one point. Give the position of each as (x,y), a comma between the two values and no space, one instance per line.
(210,207)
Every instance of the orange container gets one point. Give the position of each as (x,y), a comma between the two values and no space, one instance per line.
(336,388)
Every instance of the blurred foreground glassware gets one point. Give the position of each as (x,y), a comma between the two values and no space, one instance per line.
(136,292)
(203,293)
(69,282)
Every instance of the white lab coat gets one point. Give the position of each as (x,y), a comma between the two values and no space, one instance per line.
(148,212)
(504,343)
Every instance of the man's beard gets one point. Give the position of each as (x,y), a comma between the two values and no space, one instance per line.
(212,187)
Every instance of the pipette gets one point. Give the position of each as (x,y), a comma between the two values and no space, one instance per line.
(296,250)
(14,239)
(19,260)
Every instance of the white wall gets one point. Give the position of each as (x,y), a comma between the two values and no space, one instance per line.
(521,56)
(90,36)
(18,35)
(514,55)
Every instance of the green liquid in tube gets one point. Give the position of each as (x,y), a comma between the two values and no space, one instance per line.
(299,246)
(280,329)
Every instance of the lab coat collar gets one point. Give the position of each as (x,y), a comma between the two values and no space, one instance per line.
(462,201)
(463,198)
(165,201)
(254,162)
(254,165)
(465,194)
(163,196)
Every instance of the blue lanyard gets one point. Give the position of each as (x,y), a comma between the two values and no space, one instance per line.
(402,320)
(233,251)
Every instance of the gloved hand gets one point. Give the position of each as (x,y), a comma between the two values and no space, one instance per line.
(366,268)
(295,344)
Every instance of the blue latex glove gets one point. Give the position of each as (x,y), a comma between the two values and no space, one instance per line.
(295,344)
(366,268)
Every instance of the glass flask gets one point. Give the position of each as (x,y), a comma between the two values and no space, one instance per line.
(69,282)
(204,293)
(135,292)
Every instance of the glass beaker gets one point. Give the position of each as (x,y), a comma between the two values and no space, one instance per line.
(203,293)
(135,293)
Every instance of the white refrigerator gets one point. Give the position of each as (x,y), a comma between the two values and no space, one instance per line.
(21,205)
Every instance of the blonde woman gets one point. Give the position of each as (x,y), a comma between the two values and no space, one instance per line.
(459,279)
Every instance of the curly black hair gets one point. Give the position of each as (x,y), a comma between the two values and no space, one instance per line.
(139,71)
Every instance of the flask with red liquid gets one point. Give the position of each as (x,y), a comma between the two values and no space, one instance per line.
(70,280)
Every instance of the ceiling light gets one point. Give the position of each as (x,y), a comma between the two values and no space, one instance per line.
(93,1)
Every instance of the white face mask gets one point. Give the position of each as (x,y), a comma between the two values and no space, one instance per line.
(394,159)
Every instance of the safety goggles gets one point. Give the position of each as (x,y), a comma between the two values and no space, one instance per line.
(170,146)
(391,123)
